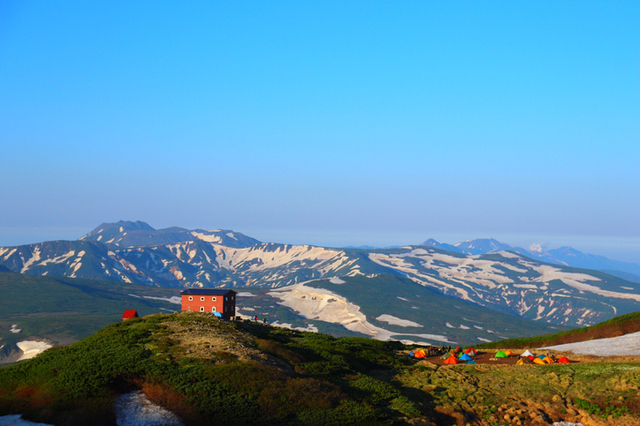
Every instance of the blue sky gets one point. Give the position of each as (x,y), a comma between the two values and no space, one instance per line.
(331,123)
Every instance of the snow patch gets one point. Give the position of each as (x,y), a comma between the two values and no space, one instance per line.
(34,258)
(135,409)
(402,298)
(207,238)
(310,327)
(14,329)
(336,280)
(627,345)
(245,294)
(483,339)
(173,299)
(390,319)
(32,348)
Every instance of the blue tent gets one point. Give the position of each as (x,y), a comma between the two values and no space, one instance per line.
(465,357)
(218,314)
(470,362)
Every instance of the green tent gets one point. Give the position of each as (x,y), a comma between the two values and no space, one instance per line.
(446,355)
(501,354)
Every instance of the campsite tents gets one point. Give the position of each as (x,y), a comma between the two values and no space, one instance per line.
(509,353)
(564,360)
(446,355)
(538,361)
(471,361)
(548,360)
(527,353)
(464,357)
(501,354)
(471,352)
(523,361)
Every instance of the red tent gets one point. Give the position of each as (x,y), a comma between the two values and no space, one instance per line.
(129,313)
(564,360)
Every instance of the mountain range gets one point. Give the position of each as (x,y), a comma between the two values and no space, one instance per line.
(485,273)
(562,256)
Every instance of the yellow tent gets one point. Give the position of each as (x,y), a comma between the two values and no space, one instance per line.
(548,360)
(538,361)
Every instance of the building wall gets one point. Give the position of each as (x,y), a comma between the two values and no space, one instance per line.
(226,307)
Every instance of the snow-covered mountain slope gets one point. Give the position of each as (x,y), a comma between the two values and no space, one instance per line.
(385,307)
(204,264)
(504,281)
(562,256)
(513,283)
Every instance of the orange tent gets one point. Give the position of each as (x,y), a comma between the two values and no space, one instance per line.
(548,360)
(451,360)
(538,361)
(420,353)
(509,353)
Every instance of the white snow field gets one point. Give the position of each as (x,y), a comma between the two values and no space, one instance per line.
(629,344)
(31,348)
(390,319)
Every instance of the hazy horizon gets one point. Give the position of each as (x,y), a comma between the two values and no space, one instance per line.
(621,249)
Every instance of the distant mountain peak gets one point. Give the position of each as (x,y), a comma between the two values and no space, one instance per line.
(118,227)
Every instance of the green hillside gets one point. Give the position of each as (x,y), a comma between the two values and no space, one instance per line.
(207,370)
(436,313)
(65,310)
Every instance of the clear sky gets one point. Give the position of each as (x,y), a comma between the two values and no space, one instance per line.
(324,122)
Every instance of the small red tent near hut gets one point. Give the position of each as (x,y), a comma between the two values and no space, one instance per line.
(129,313)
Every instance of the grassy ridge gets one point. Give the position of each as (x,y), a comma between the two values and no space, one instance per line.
(238,373)
(77,384)
(618,326)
